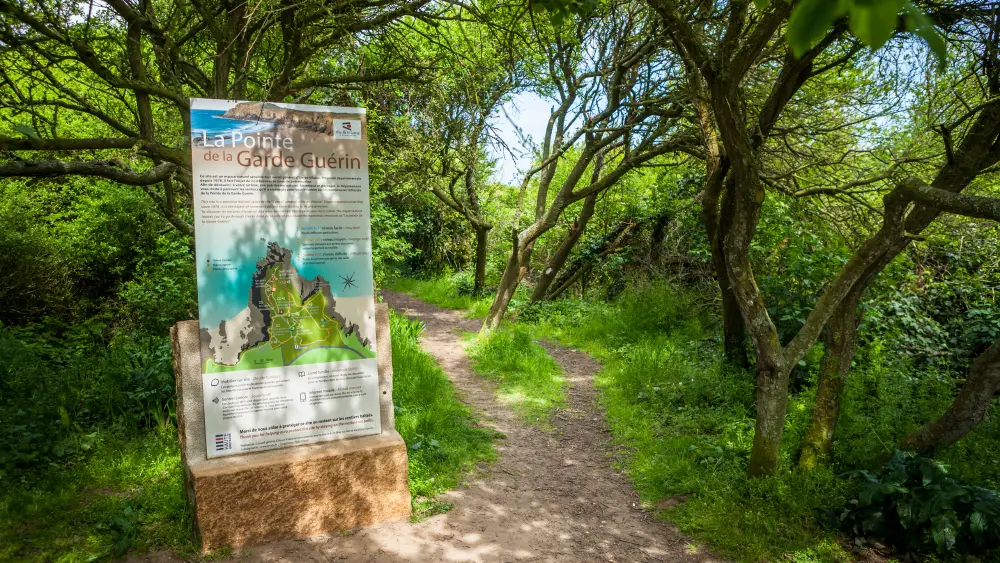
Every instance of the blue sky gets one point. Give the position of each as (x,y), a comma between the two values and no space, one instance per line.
(531,113)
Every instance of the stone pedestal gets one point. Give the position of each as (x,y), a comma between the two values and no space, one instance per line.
(291,492)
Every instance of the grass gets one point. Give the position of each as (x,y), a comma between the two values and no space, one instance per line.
(445,292)
(444,439)
(126,494)
(527,378)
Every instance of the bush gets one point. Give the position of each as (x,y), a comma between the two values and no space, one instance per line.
(914,505)
(163,290)
(58,388)
(37,280)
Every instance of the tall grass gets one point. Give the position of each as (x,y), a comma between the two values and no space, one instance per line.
(527,378)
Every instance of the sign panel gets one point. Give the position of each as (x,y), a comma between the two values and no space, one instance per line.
(285,295)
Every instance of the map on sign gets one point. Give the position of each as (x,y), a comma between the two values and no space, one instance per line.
(289,321)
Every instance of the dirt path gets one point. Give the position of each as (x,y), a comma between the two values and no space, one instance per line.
(550,497)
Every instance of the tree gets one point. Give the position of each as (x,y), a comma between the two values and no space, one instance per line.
(613,101)
(103,92)
(484,64)
(978,149)
(720,69)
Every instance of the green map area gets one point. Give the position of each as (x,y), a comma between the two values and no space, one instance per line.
(299,332)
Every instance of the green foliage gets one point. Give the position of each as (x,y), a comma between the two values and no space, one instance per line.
(59,390)
(562,10)
(390,231)
(163,290)
(127,495)
(913,503)
(872,21)
(527,378)
(443,437)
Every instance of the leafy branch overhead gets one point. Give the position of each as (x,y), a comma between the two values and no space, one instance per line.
(873,22)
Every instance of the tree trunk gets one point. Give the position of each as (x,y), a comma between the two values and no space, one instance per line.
(615,239)
(839,340)
(482,233)
(734,334)
(578,272)
(513,273)
(966,411)
(558,260)
(772,404)
(656,240)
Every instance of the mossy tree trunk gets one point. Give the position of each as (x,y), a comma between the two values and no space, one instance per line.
(839,340)
(967,410)
(482,238)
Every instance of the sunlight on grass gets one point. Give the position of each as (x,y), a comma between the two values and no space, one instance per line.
(443,437)
(528,379)
(127,495)
(448,292)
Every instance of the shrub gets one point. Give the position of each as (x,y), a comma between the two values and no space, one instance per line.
(915,505)
(58,389)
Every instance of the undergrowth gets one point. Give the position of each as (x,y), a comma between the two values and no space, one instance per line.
(126,495)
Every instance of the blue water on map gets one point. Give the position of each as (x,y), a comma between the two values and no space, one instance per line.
(212,124)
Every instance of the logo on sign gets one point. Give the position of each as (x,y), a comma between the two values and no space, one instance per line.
(347,129)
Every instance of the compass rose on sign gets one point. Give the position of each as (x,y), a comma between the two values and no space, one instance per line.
(348,281)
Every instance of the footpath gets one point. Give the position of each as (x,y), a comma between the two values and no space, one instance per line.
(552,496)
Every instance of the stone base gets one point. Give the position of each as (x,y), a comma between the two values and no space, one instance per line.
(300,491)
(292,492)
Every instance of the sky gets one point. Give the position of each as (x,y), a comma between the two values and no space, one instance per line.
(531,113)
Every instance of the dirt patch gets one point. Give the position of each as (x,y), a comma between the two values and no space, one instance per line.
(551,496)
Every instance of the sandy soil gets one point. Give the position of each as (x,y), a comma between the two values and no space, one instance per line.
(551,496)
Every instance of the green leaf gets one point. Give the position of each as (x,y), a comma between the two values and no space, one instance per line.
(944,533)
(809,21)
(26,130)
(761,4)
(920,25)
(905,512)
(874,22)
(977,523)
